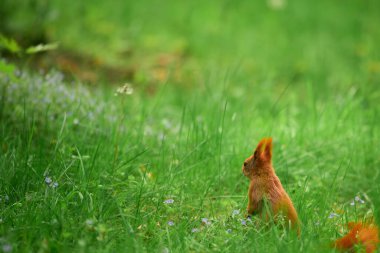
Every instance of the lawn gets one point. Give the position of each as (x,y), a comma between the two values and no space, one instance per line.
(152,162)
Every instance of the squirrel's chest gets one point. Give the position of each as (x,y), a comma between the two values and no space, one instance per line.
(257,190)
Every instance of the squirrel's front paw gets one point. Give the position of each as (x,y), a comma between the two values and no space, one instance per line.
(248,216)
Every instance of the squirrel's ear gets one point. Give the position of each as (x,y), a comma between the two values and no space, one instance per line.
(259,148)
(268,148)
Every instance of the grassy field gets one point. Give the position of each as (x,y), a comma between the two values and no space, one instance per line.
(156,166)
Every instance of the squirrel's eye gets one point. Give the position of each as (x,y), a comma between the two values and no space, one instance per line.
(245,163)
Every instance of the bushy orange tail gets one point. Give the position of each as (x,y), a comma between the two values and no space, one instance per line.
(366,235)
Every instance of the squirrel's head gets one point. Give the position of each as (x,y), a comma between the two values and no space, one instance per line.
(259,160)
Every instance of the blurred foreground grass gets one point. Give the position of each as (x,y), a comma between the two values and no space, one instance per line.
(85,169)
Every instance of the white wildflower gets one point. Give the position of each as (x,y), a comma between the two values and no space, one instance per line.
(333,215)
(126,89)
(276,4)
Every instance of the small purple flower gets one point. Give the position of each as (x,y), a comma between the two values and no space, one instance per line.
(7,247)
(235,212)
(333,215)
(244,222)
(206,221)
(195,230)
(229,231)
(54,185)
(358,199)
(48,180)
(171,223)
(169,201)
(89,222)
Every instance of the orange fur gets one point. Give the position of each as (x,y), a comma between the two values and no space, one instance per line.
(266,185)
(365,234)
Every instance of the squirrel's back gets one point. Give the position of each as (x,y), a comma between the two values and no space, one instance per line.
(364,234)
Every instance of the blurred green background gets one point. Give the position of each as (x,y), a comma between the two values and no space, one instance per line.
(322,40)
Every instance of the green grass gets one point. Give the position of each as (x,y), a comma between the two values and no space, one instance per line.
(307,75)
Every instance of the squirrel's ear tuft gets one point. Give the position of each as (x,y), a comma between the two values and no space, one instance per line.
(264,149)
(260,147)
(268,148)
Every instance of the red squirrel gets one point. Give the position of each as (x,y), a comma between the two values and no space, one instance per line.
(265,185)
(364,234)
